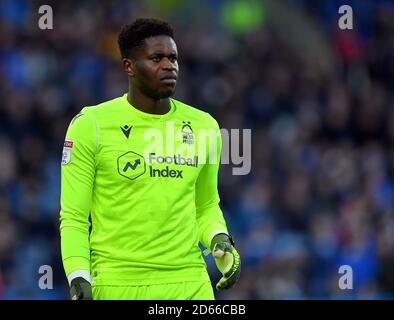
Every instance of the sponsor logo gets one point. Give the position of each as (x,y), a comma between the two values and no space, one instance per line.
(68,144)
(176,159)
(131,165)
(166,173)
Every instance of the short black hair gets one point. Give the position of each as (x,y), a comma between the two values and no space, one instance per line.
(133,35)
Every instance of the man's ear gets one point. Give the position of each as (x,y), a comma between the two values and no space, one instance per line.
(128,66)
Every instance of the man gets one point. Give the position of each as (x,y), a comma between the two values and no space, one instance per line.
(133,212)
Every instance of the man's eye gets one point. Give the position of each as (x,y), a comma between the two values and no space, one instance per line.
(173,59)
(156,59)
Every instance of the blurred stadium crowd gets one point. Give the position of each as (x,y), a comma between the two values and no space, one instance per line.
(319,101)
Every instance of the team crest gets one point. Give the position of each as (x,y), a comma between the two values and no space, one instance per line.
(187,133)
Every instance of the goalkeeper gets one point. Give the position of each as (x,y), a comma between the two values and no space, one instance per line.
(133,212)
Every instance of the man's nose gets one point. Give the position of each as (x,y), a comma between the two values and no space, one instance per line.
(168,65)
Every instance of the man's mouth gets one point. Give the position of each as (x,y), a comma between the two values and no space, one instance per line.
(170,79)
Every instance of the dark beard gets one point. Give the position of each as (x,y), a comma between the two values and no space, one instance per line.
(154,94)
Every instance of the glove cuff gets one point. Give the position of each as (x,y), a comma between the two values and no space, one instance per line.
(222,237)
(80,289)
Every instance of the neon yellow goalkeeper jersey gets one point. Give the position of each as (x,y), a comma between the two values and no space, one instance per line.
(139,192)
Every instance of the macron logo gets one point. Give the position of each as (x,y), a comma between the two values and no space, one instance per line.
(126,130)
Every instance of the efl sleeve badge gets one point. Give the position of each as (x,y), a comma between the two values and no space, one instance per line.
(67,149)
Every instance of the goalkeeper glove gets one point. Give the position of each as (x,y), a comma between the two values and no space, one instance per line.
(80,289)
(227,260)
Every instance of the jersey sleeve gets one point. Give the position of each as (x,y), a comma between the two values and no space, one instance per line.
(77,179)
(209,216)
